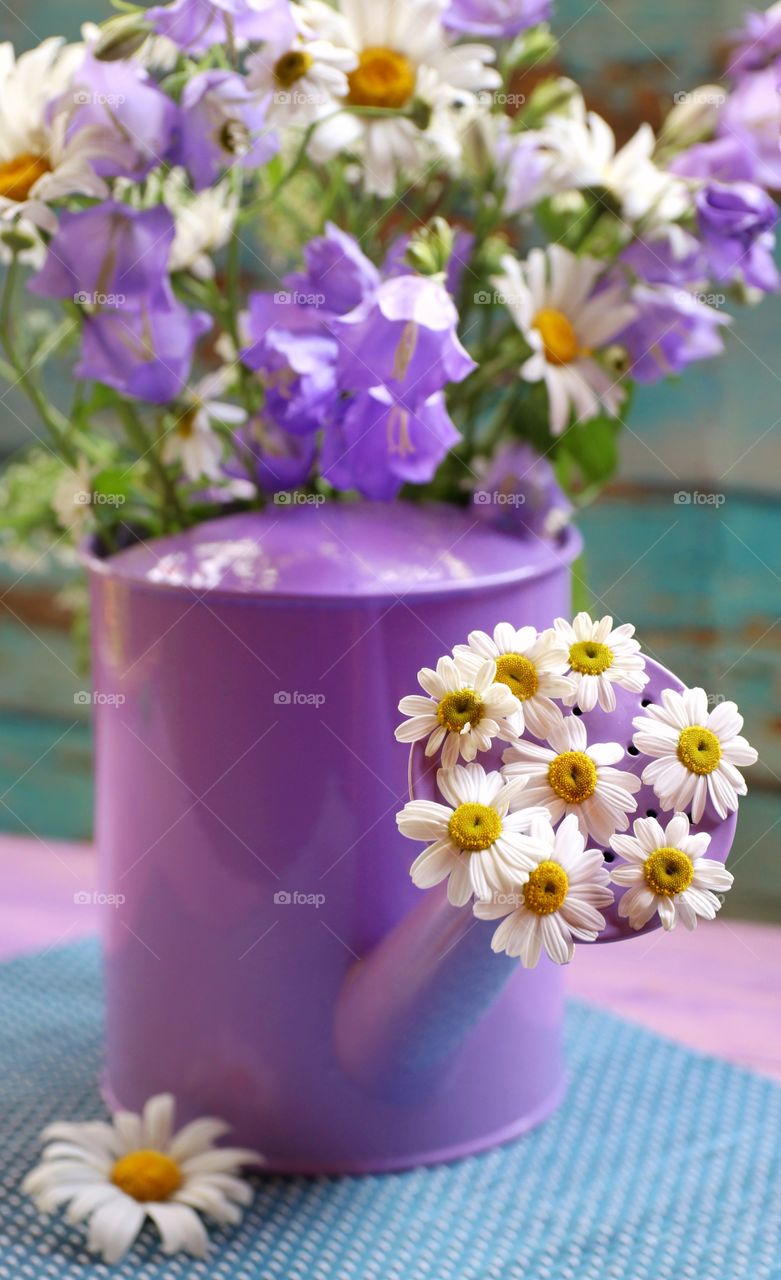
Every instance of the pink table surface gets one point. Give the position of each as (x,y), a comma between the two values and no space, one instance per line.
(717,990)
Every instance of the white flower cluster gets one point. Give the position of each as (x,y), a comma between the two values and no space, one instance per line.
(516,839)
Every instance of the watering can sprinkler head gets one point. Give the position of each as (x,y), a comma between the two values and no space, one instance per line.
(409,1005)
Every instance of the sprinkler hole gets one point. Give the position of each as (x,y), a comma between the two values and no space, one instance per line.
(633,750)
(650,813)
(647,702)
(609,855)
(576,711)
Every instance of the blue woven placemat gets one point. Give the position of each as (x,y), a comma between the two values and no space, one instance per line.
(662,1165)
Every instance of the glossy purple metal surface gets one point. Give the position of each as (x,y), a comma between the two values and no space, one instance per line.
(270,960)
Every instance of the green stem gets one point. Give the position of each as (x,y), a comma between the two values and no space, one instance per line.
(55,422)
(174,516)
(233,272)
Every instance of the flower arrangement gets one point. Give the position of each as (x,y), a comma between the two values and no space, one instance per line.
(340,249)
(529,841)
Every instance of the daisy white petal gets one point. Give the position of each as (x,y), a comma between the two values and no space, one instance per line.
(557,303)
(180,1228)
(531,664)
(599,656)
(465,710)
(569,778)
(557,901)
(114,1226)
(693,752)
(165,1176)
(42,159)
(477,841)
(303,81)
(403,55)
(581,150)
(666,874)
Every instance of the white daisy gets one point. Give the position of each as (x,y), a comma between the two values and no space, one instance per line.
(696,752)
(407,63)
(552,298)
(557,902)
(475,837)
(39,163)
(572,777)
(465,712)
(600,656)
(530,663)
(116,1174)
(72,497)
(582,153)
(204,221)
(303,80)
(665,872)
(193,442)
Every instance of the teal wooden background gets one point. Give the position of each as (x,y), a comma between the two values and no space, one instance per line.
(703,583)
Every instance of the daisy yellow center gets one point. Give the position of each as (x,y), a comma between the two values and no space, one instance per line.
(590,658)
(699,749)
(573,776)
(558,336)
(474,827)
(458,710)
(546,889)
(383,78)
(519,674)
(291,67)
(668,871)
(186,424)
(19,176)
(147,1175)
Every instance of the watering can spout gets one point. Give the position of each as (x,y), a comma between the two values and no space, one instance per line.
(406,1008)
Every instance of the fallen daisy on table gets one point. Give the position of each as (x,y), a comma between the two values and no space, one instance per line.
(696,752)
(114,1174)
(599,656)
(475,837)
(463,712)
(530,663)
(557,902)
(666,872)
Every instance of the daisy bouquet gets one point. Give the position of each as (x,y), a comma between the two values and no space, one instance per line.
(308,251)
(602,787)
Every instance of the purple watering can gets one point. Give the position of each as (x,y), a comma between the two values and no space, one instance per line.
(269,959)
